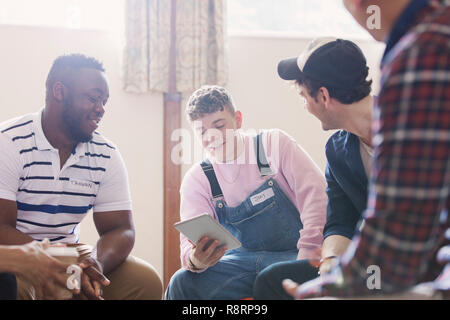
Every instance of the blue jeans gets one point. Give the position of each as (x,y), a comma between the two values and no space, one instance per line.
(8,286)
(268,284)
(231,278)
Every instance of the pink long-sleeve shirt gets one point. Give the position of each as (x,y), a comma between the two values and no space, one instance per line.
(294,171)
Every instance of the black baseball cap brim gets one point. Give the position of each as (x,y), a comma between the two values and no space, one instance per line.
(288,69)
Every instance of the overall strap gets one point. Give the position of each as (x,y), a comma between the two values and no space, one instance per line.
(261,160)
(211,175)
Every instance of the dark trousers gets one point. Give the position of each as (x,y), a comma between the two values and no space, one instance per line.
(268,285)
(8,286)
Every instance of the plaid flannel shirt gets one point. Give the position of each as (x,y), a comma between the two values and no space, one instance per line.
(408,203)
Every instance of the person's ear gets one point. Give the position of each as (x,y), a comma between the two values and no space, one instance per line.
(238,118)
(59,91)
(324,97)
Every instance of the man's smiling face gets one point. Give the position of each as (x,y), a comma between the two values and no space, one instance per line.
(84,104)
(215,129)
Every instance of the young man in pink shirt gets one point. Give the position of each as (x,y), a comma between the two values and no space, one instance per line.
(262,188)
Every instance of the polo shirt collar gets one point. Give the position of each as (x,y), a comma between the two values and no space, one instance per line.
(403,24)
(42,142)
(80,150)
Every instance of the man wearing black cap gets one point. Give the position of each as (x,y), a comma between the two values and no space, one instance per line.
(331,76)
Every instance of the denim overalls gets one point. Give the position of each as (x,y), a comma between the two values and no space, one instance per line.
(267,223)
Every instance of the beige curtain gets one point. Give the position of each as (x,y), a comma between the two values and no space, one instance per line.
(200,45)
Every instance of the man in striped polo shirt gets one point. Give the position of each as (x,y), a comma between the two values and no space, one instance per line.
(55,168)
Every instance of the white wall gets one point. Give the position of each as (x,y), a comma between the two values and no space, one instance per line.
(265,100)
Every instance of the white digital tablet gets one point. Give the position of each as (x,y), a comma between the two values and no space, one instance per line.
(205,225)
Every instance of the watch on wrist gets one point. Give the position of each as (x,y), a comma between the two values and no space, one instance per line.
(323,260)
(192,266)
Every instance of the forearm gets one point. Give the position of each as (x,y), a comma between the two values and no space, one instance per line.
(310,243)
(334,245)
(10,236)
(10,257)
(313,218)
(114,247)
(310,199)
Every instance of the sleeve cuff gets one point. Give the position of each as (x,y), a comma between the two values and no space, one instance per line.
(345,233)
(7,195)
(117,206)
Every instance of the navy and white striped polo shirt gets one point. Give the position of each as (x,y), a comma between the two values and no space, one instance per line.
(52,201)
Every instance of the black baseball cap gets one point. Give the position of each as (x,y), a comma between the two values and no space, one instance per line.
(335,62)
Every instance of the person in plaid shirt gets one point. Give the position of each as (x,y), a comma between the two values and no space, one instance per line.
(407,213)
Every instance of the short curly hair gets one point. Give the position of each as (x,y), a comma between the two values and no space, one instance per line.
(65,65)
(208,99)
